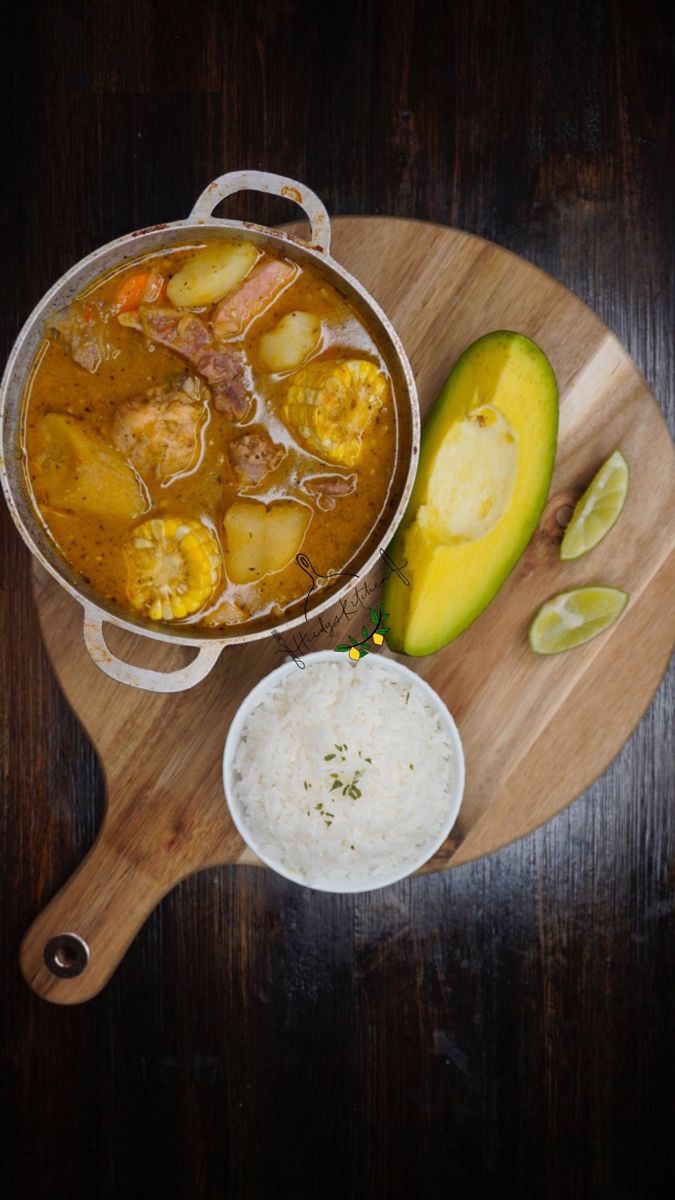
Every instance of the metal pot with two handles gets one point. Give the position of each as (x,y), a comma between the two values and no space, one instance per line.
(202,226)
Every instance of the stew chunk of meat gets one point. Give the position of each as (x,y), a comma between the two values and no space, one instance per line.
(254,455)
(225,370)
(235,313)
(327,487)
(180,331)
(160,434)
(227,373)
(80,327)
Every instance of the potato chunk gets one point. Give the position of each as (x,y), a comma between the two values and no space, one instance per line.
(291,342)
(211,273)
(77,471)
(263,538)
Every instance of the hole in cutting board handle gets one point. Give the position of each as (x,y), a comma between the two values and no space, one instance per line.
(66,955)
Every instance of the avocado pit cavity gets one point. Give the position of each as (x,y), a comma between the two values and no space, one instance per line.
(472,479)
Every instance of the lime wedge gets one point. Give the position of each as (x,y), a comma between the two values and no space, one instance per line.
(572,618)
(598,509)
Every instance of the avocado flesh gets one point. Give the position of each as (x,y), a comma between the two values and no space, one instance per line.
(486,462)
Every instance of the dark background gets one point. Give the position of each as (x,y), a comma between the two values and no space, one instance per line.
(506,1027)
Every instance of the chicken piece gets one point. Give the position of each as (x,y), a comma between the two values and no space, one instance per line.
(327,487)
(160,434)
(234,314)
(254,455)
(330,405)
(80,327)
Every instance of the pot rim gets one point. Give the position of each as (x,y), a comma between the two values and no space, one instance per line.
(277,238)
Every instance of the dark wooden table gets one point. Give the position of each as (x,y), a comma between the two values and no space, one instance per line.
(506,1027)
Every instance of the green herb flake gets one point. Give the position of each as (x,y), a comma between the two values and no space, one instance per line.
(328,757)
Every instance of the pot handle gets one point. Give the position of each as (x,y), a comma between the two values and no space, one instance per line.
(276,185)
(139,677)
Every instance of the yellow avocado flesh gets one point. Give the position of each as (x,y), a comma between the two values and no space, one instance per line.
(486,461)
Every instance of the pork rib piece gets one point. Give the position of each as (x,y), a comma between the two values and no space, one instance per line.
(234,314)
(190,336)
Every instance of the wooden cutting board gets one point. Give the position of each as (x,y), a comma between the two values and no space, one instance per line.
(536,731)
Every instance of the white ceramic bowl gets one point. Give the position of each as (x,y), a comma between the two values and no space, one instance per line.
(267,685)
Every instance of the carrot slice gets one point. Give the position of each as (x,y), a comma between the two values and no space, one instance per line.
(146,287)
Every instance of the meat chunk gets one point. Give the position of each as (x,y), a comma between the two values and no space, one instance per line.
(188,335)
(327,487)
(226,372)
(182,332)
(160,434)
(254,455)
(231,395)
(233,315)
(81,329)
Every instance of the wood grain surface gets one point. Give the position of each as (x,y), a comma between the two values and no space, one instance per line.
(503,1028)
(535,731)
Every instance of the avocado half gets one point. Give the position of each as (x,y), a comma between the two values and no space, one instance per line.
(486,461)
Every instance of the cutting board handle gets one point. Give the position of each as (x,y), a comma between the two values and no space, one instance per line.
(73,947)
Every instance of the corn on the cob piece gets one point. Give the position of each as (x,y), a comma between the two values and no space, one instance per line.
(173,567)
(330,404)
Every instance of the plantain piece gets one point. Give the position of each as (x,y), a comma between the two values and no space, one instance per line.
(77,471)
(330,405)
(173,567)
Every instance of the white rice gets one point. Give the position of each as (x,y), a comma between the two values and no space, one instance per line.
(374,733)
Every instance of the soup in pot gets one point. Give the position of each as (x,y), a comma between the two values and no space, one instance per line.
(199,418)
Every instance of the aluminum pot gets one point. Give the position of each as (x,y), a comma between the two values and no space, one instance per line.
(200,227)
